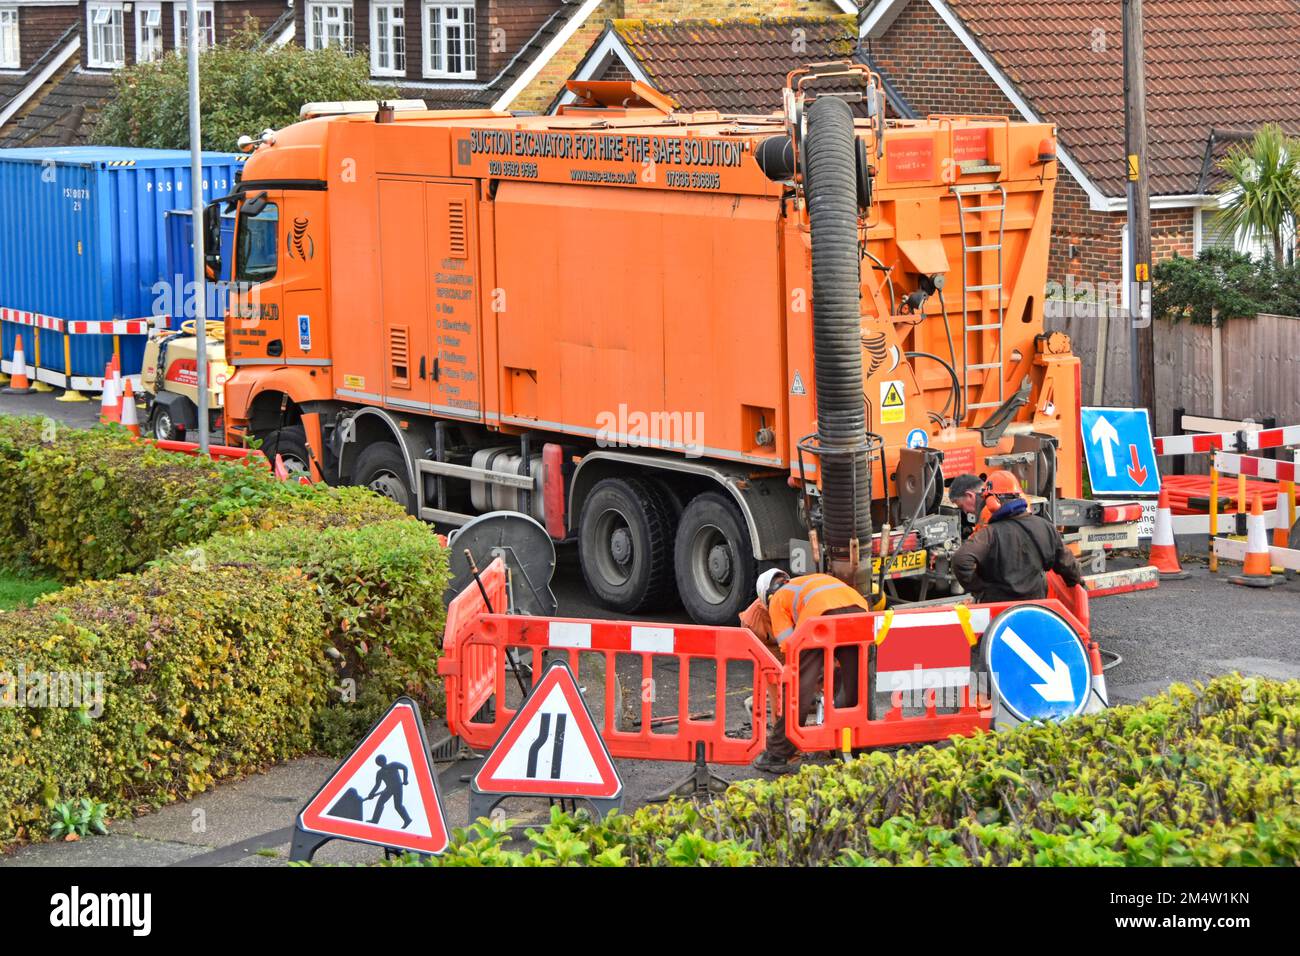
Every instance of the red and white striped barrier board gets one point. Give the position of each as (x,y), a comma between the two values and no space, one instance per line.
(117,327)
(1255,467)
(53,324)
(1194,444)
(1273,438)
(34,319)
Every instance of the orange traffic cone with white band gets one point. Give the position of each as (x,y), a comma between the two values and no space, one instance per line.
(1256,571)
(130,418)
(109,410)
(1282,521)
(19,384)
(1164,552)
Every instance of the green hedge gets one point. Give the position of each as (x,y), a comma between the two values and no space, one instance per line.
(205,675)
(1206,777)
(288,630)
(95,503)
(380,590)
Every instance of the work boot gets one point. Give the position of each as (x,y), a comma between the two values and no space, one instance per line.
(769,763)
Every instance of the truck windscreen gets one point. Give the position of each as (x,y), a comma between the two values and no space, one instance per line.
(255,253)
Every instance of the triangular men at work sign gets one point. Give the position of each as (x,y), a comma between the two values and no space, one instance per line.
(384,793)
(551,748)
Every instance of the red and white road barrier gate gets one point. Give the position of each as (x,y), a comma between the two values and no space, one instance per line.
(1267,469)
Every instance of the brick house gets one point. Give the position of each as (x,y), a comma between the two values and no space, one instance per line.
(69,51)
(1215,72)
(453,54)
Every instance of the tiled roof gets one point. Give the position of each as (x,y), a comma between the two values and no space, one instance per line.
(63,112)
(734,66)
(1225,63)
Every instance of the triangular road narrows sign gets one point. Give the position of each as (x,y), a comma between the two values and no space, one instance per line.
(551,748)
(385,792)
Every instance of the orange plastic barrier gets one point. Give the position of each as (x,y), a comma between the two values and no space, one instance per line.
(685,645)
(915,674)
(215,452)
(470,670)
(1184,488)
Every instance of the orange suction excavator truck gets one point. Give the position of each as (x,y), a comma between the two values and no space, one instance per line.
(698,344)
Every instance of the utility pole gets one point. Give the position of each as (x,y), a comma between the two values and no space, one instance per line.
(1138,266)
(196,217)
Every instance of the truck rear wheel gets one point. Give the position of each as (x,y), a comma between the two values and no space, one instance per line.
(625,545)
(382,469)
(714,558)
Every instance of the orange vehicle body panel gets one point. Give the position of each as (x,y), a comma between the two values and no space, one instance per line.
(566,273)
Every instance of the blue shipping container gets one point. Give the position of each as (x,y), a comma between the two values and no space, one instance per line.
(83,239)
(180,258)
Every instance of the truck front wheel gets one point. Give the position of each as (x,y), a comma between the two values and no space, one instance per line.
(625,545)
(714,558)
(381,468)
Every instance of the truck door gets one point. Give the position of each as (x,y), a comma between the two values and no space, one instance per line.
(430,297)
(257,332)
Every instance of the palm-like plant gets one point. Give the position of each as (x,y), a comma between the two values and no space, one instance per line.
(1262,194)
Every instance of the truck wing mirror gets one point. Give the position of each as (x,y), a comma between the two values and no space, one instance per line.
(212,241)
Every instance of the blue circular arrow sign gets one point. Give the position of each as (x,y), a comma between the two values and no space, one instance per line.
(1037,664)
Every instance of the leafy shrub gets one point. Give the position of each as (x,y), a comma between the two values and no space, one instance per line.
(1230,282)
(245,87)
(205,675)
(1187,778)
(91,504)
(379,587)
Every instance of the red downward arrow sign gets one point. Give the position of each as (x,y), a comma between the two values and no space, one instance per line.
(1135,470)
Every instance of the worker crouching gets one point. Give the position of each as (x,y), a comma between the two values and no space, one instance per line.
(1012,549)
(787,602)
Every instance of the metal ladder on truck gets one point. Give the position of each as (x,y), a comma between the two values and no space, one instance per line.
(970,202)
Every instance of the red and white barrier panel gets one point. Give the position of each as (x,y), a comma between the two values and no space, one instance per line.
(1267,468)
(54,324)
(1194,444)
(1273,438)
(34,319)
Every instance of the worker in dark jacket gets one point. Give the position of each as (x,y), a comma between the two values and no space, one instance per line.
(1008,557)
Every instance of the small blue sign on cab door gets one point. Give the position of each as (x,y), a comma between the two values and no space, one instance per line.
(304,333)
(1120,452)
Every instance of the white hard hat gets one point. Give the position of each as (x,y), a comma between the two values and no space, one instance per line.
(765,582)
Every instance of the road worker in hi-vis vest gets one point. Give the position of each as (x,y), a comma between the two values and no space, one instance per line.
(788,601)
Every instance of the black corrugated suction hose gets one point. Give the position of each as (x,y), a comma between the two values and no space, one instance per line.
(830,165)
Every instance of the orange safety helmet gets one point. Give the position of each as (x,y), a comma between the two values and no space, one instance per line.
(1004,484)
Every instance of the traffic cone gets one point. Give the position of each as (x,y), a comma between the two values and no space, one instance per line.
(19,383)
(1256,571)
(1282,521)
(130,418)
(109,410)
(1164,552)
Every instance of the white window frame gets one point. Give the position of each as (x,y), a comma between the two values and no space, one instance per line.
(435,54)
(1258,247)
(142,12)
(11,49)
(98,16)
(207,25)
(376,53)
(344,21)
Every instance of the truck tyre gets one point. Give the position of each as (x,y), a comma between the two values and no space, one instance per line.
(714,558)
(382,469)
(161,425)
(625,545)
(291,445)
